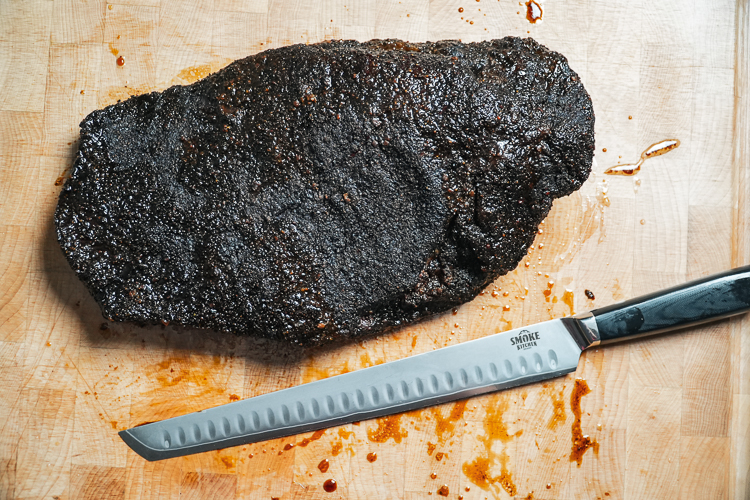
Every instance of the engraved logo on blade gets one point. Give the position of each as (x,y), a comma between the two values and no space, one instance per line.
(524,340)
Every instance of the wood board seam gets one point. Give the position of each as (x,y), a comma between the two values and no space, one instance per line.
(738,473)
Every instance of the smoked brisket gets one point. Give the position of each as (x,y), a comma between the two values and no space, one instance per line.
(319,192)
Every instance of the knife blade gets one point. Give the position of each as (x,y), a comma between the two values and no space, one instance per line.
(495,362)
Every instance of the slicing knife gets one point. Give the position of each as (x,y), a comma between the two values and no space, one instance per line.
(499,361)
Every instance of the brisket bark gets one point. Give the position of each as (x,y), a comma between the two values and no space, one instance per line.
(313,193)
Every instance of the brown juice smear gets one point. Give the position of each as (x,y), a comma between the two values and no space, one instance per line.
(581,443)
(195,73)
(479,471)
(60,180)
(548,291)
(330,485)
(312,373)
(443,491)
(446,426)
(652,151)
(533,11)
(229,462)
(388,428)
(439,456)
(315,436)
(558,406)
(431,448)
(344,434)
(324,465)
(371,457)
(569,299)
(336,448)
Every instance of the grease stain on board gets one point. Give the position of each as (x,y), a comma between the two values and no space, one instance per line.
(558,405)
(445,427)
(387,428)
(480,471)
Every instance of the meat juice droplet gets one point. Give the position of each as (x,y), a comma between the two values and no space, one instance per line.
(652,151)
(330,485)
(460,9)
(323,465)
(443,491)
(371,457)
(121,61)
(533,11)
(589,294)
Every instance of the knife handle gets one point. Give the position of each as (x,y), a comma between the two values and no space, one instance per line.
(706,299)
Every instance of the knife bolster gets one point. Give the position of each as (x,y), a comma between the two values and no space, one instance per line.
(583,328)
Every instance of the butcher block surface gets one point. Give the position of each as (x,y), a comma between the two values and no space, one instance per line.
(666,417)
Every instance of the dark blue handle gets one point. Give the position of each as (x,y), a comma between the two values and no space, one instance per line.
(706,299)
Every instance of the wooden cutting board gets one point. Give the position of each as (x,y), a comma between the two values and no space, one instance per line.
(670,416)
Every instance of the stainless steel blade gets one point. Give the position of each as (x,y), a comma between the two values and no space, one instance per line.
(499,361)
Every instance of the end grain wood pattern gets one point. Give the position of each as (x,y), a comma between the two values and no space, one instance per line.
(671,415)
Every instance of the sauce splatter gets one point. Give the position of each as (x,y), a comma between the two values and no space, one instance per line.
(479,471)
(652,151)
(330,485)
(533,11)
(121,61)
(439,456)
(371,457)
(324,465)
(433,475)
(234,397)
(388,428)
(430,447)
(581,443)
(443,491)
